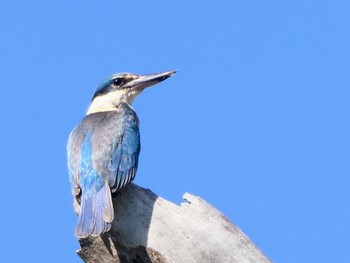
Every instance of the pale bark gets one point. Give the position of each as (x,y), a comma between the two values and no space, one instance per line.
(148,228)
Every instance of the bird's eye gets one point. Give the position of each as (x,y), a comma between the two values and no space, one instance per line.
(118,81)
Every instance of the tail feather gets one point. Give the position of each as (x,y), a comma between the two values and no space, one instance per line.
(96,213)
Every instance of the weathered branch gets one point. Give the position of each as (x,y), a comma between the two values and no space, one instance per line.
(148,228)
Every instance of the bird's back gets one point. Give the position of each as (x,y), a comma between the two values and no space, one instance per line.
(103,150)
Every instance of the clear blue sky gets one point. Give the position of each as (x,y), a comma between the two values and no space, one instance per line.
(256,121)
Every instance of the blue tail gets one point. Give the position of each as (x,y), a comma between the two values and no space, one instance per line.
(96,213)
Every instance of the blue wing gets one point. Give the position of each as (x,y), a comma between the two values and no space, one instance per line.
(124,160)
(117,147)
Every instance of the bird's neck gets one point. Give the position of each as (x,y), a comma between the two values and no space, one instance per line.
(94,107)
(110,101)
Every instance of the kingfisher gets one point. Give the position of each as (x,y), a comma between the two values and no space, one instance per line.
(103,150)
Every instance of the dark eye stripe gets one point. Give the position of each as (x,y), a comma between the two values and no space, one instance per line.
(104,88)
(106,85)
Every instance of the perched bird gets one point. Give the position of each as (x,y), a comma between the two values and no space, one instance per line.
(103,150)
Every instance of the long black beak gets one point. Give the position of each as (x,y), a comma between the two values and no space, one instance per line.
(145,81)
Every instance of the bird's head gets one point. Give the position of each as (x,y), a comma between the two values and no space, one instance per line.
(123,87)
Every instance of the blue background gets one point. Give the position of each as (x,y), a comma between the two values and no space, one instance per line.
(256,121)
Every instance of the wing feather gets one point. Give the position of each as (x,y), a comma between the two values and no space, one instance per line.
(116,143)
(124,160)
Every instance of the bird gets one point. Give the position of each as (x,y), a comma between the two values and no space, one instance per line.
(103,149)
